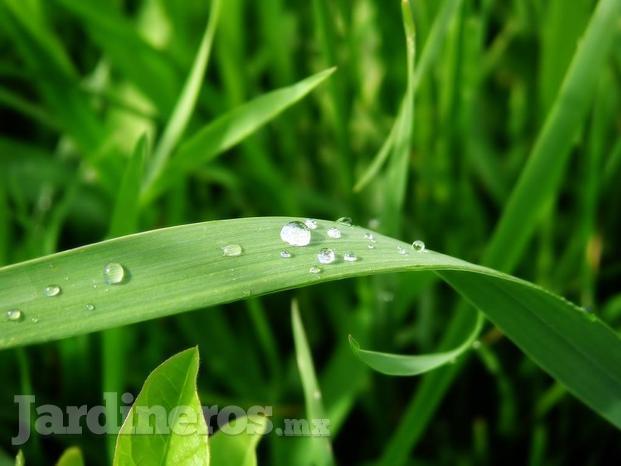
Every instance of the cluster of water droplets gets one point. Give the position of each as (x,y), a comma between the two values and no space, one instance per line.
(113,274)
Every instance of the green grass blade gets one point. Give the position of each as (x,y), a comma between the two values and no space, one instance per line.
(321,452)
(403,365)
(19,459)
(182,268)
(187,100)
(231,128)
(234,446)
(173,440)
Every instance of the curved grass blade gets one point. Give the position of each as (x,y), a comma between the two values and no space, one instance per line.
(231,128)
(232,447)
(404,365)
(183,268)
(166,425)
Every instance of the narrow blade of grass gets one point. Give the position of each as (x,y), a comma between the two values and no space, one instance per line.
(183,268)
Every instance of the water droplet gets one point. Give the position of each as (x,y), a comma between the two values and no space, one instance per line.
(350,256)
(402,251)
(418,246)
(114,273)
(296,234)
(34,320)
(52,290)
(311,223)
(89,307)
(285,254)
(232,250)
(326,256)
(14,315)
(334,233)
(344,221)
(315,269)
(371,245)
(368,235)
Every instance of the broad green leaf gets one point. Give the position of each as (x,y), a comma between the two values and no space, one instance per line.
(234,446)
(321,448)
(166,425)
(187,100)
(183,268)
(398,364)
(71,457)
(231,128)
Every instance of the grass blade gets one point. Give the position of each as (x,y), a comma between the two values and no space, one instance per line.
(231,128)
(182,268)
(187,100)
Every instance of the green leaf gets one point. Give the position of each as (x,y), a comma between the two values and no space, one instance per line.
(322,449)
(231,128)
(166,425)
(230,448)
(19,459)
(397,364)
(71,457)
(183,268)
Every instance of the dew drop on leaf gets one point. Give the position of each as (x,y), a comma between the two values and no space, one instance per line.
(350,256)
(418,246)
(285,254)
(232,250)
(334,233)
(326,256)
(14,315)
(52,290)
(114,273)
(344,221)
(311,223)
(296,234)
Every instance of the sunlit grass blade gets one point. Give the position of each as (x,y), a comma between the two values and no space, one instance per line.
(321,451)
(187,100)
(71,457)
(183,268)
(231,128)
(405,365)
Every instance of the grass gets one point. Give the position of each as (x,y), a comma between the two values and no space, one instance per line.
(496,143)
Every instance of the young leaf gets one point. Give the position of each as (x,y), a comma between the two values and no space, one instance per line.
(166,425)
(71,457)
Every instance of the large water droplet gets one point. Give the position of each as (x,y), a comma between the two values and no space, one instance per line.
(285,254)
(334,233)
(314,269)
(14,315)
(311,223)
(232,250)
(418,246)
(344,221)
(114,273)
(89,307)
(295,233)
(326,256)
(52,290)
(350,256)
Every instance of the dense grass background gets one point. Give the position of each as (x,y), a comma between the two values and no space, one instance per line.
(81,82)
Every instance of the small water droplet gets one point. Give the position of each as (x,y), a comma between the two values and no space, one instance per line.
(326,256)
(371,245)
(311,223)
(315,269)
(344,221)
(334,233)
(285,254)
(296,234)
(34,320)
(14,315)
(89,307)
(368,235)
(232,250)
(350,256)
(52,290)
(418,246)
(402,251)
(114,273)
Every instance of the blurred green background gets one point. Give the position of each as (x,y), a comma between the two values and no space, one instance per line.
(81,81)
